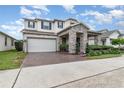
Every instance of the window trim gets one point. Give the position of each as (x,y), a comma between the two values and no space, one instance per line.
(5,40)
(45,26)
(12,42)
(31,26)
(60,24)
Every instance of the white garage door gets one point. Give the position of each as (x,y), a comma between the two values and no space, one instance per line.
(41,45)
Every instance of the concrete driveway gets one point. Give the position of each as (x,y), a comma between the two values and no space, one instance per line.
(37,59)
(60,75)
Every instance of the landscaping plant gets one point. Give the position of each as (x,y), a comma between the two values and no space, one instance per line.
(97,50)
(63,47)
(19,45)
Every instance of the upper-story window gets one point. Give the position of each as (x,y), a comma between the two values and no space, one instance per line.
(31,24)
(46,25)
(60,24)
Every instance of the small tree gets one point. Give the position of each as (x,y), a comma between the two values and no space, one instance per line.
(19,45)
(119,41)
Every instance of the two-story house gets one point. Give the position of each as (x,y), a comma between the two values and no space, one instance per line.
(42,35)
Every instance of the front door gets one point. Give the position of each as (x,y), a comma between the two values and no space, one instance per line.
(77,45)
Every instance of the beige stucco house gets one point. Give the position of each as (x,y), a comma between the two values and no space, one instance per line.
(42,35)
(6,42)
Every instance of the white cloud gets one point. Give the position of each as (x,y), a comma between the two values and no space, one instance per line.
(100,17)
(110,6)
(34,11)
(105,17)
(42,8)
(25,12)
(70,8)
(120,23)
(13,28)
(117,13)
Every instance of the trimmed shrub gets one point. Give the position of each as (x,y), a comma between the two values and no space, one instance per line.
(115,51)
(96,50)
(19,45)
(63,47)
(98,47)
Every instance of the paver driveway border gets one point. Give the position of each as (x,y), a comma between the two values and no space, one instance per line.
(58,74)
(39,58)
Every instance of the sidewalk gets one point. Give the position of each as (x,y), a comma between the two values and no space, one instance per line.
(7,78)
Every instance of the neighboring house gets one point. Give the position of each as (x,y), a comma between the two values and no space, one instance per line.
(121,36)
(6,42)
(46,35)
(107,36)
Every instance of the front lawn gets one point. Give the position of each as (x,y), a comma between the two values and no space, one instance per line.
(11,59)
(104,56)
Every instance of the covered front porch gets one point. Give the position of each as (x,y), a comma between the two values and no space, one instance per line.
(76,37)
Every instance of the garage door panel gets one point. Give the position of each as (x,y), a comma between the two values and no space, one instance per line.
(41,45)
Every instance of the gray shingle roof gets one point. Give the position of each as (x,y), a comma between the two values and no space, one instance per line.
(7,35)
(108,33)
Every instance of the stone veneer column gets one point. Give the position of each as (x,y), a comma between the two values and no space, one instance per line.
(83,42)
(72,42)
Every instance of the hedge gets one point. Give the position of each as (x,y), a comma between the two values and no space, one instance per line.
(95,50)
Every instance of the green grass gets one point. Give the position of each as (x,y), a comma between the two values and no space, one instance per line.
(11,59)
(104,56)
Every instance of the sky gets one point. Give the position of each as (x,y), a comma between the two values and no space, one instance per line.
(97,17)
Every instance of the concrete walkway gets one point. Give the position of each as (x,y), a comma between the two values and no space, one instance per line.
(7,78)
(59,74)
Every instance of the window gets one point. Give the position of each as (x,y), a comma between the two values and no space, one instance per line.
(46,25)
(31,24)
(5,40)
(60,24)
(12,42)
